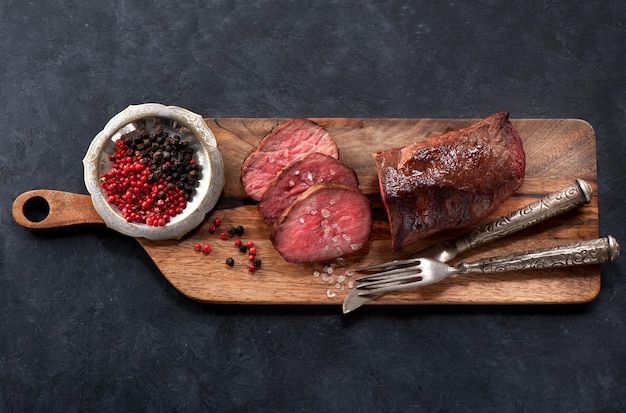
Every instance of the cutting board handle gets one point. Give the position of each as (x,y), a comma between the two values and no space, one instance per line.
(46,209)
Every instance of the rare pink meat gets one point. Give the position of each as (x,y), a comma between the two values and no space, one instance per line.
(450,181)
(297,177)
(288,142)
(324,222)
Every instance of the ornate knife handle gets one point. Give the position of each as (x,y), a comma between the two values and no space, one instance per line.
(549,206)
(597,251)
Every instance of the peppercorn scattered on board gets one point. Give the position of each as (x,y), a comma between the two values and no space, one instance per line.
(558,151)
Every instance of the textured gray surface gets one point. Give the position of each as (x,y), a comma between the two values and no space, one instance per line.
(87,321)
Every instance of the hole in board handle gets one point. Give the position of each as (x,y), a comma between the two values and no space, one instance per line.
(36,209)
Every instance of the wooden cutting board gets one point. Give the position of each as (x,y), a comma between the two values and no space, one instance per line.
(558,151)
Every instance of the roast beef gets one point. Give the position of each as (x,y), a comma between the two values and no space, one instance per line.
(286,143)
(324,222)
(451,180)
(297,177)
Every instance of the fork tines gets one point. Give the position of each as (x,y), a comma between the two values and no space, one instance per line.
(394,284)
(391,265)
(392,279)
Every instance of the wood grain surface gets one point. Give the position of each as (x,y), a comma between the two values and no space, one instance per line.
(557,152)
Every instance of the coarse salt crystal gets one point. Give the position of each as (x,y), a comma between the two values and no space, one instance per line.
(341,278)
(291,183)
(316,274)
(349,273)
(337,286)
(350,284)
(325,213)
(330,294)
(301,220)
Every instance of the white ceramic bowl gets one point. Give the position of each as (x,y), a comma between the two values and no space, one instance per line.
(190,127)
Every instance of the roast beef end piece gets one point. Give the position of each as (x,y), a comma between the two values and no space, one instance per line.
(300,175)
(286,143)
(451,180)
(324,222)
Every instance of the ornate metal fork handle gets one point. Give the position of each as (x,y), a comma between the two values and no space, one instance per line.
(598,251)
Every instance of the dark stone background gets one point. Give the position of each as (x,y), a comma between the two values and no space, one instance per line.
(87,322)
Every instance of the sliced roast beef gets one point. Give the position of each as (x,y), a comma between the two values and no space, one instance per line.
(451,180)
(324,222)
(297,177)
(286,143)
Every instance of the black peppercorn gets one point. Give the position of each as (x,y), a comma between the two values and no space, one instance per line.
(230,262)
(243,249)
(239,230)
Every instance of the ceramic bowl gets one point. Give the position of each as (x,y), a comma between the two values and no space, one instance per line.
(176,121)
